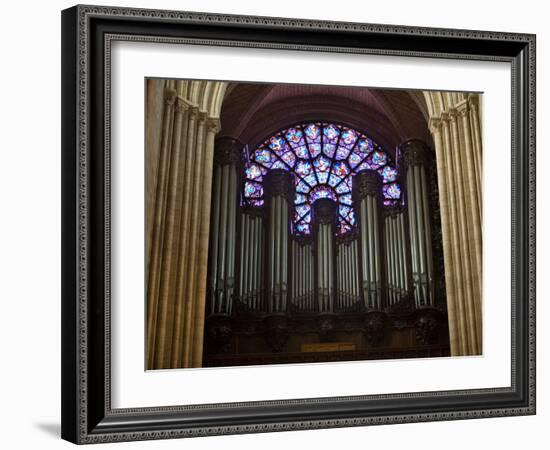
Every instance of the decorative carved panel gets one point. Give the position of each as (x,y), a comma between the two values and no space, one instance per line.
(227,150)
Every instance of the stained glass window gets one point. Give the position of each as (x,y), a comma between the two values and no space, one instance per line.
(323,157)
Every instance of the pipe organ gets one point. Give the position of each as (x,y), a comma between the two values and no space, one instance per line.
(302,276)
(396,255)
(221,284)
(414,152)
(256,261)
(367,186)
(324,215)
(348,274)
(280,192)
(251,255)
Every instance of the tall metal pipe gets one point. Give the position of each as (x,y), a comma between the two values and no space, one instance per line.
(427,238)
(389,279)
(416,155)
(398,274)
(420,234)
(367,190)
(404,252)
(255,262)
(356,266)
(278,187)
(413,234)
(215,232)
(223,249)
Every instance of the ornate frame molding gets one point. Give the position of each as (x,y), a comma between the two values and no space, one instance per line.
(87,416)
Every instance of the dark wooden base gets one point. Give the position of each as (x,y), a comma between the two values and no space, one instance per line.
(280,339)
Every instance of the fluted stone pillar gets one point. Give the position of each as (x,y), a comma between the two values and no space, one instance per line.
(324,218)
(279,191)
(458,144)
(415,154)
(367,192)
(179,235)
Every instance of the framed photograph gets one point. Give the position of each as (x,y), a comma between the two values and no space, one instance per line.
(283,224)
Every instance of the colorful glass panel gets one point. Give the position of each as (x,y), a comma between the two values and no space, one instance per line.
(276,143)
(321,192)
(329,149)
(331,133)
(299,198)
(388,173)
(311,180)
(314,149)
(391,191)
(289,158)
(348,138)
(253,190)
(313,132)
(303,168)
(322,177)
(302,210)
(323,157)
(255,172)
(303,228)
(345,199)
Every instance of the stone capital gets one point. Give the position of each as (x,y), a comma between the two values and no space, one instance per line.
(473,100)
(170,96)
(463,107)
(193,112)
(435,124)
(202,116)
(213,124)
(452,114)
(182,105)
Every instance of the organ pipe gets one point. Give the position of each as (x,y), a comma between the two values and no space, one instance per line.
(415,157)
(347,272)
(324,214)
(279,191)
(302,279)
(367,189)
(223,226)
(396,268)
(251,265)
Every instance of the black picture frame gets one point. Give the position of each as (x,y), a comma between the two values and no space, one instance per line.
(87,416)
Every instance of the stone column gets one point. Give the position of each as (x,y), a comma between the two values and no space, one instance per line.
(279,192)
(324,219)
(157,235)
(458,144)
(367,194)
(179,239)
(467,115)
(415,154)
(212,127)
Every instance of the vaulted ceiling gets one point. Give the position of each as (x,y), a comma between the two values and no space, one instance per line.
(251,112)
